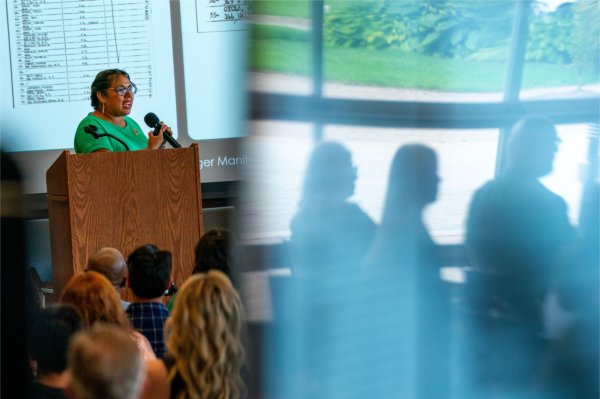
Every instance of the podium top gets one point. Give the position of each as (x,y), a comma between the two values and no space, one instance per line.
(57,176)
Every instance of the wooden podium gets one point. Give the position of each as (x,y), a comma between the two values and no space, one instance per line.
(123,200)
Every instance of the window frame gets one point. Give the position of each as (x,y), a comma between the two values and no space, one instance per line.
(320,110)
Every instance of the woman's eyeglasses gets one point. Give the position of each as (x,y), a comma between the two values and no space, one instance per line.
(121,90)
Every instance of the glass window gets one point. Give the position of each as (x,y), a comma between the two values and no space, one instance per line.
(277,164)
(277,156)
(562,56)
(280,46)
(417,51)
(570,166)
(466,160)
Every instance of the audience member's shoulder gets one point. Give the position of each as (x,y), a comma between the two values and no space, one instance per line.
(484,190)
(40,391)
(156,385)
(143,345)
(550,195)
(351,209)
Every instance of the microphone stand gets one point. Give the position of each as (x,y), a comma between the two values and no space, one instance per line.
(93,130)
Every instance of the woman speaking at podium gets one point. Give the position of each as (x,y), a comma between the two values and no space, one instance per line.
(108,127)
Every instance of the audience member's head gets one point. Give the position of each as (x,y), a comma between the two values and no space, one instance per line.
(52,329)
(203,337)
(532,144)
(110,263)
(413,180)
(149,271)
(215,251)
(95,298)
(105,363)
(330,175)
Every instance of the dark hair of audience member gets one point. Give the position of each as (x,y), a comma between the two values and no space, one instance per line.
(149,271)
(52,329)
(213,252)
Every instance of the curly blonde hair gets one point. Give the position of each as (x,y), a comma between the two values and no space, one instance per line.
(96,299)
(203,336)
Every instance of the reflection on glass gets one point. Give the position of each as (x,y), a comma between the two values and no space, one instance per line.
(570,166)
(563,51)
(277,164)
(280,46)
(277,156)
(466,160)
(420,51)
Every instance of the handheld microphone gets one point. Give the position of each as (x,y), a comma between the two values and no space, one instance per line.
(154,122)
(93,130)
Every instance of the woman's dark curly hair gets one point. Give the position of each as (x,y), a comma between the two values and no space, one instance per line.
(216,250)
(103,81)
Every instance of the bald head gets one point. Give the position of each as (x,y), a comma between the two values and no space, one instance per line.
(109,262)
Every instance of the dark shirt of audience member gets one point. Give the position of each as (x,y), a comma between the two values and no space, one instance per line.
(330,234)
(110,263)
(516,228)
(408,301)
(149,278)
(204,346)
(97,301)
(105,364)
(52,329)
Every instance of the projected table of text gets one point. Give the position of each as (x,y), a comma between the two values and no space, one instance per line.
(58,47)
(221,15)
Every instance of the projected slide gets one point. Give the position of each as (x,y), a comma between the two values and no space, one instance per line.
(52,50)
(214,57)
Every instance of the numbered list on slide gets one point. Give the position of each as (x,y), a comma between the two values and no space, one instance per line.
(57,47)
(221,15)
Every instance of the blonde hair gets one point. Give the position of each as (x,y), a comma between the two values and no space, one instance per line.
(96,299)
(203,337)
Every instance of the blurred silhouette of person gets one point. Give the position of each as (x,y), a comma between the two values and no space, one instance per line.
(52,329)
(516,227)
(105,363)
(330,236)
(572,313)
(408,300)
(110,263)
(329,233)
